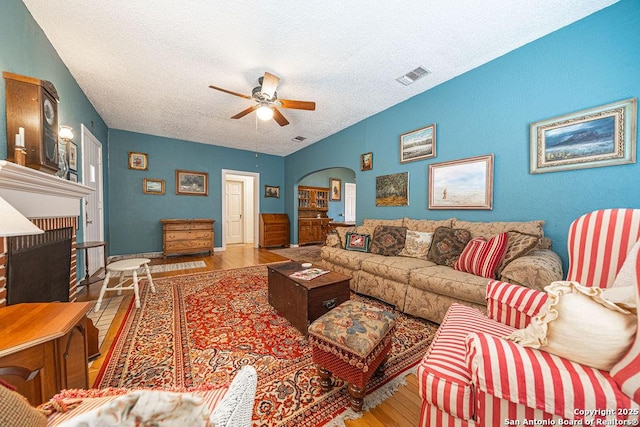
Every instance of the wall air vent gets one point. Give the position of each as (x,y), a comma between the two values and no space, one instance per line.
(412,76)
(298,139)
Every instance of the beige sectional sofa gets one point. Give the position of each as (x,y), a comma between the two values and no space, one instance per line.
(425,289)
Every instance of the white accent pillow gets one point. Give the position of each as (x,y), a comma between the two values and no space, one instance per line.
(416,244)
(580,324)
(627,274)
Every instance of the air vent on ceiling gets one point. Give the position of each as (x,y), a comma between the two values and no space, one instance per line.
(412,76)
(298,139)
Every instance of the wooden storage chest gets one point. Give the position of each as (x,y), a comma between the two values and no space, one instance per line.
(187,236)
(274,230)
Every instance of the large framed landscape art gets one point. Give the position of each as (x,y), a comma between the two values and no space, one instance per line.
(600,136)
(418,144)
(462,184)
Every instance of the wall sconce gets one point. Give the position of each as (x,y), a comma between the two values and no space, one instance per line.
(65,134)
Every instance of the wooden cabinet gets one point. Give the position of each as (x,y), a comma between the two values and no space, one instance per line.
(312,230)
(187,236)
(43,348)
(313,198)
(274,230)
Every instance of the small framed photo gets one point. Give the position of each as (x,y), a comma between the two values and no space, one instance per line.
(272,191)
(462,184)
(335,187)
(153,186)
(73,177)
(138,161)
(366,161)
(600,136)
(192,183)
(72,154)
(418,144)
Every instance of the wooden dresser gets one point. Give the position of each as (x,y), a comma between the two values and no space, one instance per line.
(43,348)
(313,230)
(187,236)
(313,223)
(274,230)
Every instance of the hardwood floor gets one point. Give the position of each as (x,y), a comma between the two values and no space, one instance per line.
(402,409)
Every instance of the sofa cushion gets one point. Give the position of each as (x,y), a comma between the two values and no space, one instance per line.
(519,244)
(576,322)
(534,270)
(388,240)
(347,259)
(342,233)
(357,242)
(373,223)
(444,380)
(447,245)
(481,257)
(16,411)
(452,283)
(488,229)
(417,244)
(395,268)
(426,225)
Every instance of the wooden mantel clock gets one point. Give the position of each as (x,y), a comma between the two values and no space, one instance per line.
(33,105)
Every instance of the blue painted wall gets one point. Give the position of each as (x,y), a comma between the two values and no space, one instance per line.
(135,216)
(24,49)
(488,110)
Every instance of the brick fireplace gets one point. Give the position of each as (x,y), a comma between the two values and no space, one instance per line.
(49,202)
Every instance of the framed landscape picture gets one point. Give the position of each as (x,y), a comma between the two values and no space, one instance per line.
(192,183)
(392,190)
(600,136)
(272,191)
(138,161)
(418,144)
(153,186)
(462,184)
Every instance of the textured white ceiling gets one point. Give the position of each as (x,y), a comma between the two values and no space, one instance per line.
(146,65)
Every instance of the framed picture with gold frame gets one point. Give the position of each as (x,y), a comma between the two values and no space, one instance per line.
(366,161)
(192,183)
(138,161)
(153,186)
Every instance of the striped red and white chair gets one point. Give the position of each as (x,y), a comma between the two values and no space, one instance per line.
(472,376)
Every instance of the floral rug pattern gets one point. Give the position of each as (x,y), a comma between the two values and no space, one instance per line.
(200,329)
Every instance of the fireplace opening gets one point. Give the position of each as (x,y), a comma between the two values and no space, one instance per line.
(38,267)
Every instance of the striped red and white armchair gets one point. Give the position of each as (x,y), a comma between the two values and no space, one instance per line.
(472,376)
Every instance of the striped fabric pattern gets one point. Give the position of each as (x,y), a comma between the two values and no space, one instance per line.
(598,243)
(541,380)
(431,416)
(626,372)
(513,305)
(493,411)
(444,380)
(482,257)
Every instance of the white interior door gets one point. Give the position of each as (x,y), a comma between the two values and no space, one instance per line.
(235,206)
(93,213)
(349,202)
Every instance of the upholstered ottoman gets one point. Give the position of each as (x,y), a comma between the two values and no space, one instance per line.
(352,342)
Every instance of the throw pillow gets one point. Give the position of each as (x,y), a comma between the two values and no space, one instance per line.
(627,274)
(519,244)
(342,233)
(388,240)
(357,242)
(447,245)
(481,257)
(417,244)
(575,324)
(15,410)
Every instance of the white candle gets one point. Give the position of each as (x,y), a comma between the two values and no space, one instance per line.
(21,133)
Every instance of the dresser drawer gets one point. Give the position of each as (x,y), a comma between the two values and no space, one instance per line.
(187,245)
(180,227)
(189,235)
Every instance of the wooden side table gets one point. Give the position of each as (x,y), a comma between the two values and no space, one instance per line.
(86,246)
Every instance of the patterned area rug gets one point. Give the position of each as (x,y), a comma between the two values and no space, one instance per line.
(200,329)
(300,254)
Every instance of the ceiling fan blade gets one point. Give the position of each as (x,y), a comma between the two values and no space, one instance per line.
(269,84)
(230,92)
(278,117)
(298,105)
(245,112)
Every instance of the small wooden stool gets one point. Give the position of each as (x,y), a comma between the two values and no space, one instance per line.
(352,342)
(123,267)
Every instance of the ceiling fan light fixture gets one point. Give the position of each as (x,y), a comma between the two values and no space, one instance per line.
(264,112)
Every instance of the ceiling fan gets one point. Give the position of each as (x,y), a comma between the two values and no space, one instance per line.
(266,100)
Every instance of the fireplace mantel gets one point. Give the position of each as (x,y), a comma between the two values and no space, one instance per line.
(37,194)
